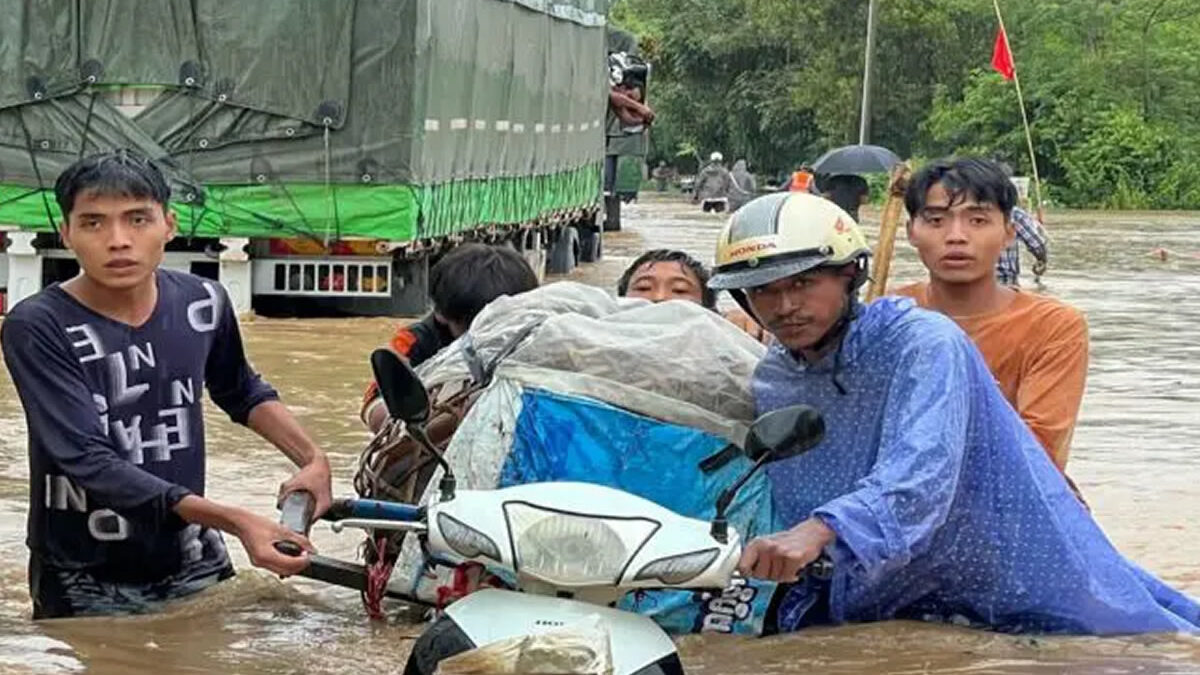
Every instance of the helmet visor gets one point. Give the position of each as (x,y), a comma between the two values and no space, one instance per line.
(746,275)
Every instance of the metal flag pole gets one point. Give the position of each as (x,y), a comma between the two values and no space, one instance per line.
(864,126)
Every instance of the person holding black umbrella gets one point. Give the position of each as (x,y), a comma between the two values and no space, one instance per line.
(844,186)
(848,191)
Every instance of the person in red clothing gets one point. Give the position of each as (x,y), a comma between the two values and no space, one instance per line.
(461,284)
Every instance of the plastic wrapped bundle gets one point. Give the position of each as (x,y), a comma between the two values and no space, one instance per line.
(578,649)
(624,393)
(674,361)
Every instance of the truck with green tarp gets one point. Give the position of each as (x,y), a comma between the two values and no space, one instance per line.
(321,152)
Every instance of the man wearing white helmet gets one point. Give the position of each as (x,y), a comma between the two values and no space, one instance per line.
(713,185)
(931,497)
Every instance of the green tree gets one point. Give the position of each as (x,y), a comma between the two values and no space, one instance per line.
(1111,86)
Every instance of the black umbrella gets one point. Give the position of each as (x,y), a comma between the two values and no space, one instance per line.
(853,159)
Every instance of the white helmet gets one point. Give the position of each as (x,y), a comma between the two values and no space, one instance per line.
(716,157)
(786,233)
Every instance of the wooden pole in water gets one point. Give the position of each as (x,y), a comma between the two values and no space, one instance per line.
(1037,183)
(890,223)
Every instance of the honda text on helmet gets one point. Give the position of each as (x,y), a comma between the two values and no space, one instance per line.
(773,246)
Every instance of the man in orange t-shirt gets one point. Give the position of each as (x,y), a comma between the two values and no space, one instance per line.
(1035,346)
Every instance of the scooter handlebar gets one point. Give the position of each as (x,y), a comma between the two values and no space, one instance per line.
(296,515)
(820,569)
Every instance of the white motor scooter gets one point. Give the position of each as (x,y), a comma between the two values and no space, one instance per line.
(573,548)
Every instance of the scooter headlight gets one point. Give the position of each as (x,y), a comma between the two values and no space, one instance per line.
(571,549)
(465,540)
(678,569)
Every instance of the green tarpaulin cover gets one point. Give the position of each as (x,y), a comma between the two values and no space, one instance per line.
(388,119)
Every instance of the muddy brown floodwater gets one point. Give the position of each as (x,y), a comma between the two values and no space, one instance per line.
(1136,456)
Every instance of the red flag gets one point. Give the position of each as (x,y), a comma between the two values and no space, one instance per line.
(1002,59)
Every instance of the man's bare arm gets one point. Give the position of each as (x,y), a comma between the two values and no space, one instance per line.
(273,421)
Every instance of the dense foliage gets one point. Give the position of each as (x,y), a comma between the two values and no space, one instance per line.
(1112,87)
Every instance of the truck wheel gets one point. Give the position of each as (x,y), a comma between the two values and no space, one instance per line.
(591,243)
(612,213)
(565,252)
(441,640)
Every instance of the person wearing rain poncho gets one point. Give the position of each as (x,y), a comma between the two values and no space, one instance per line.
(744,185)
(713,185)
(932,498)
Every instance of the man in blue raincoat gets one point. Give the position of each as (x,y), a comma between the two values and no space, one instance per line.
(930,495)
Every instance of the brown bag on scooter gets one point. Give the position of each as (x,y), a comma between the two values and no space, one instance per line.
(394,467)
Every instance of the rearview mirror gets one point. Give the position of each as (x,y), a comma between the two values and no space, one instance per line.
(777,435)
(784,433)
(401,389)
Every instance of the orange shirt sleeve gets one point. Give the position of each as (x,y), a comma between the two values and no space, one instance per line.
(1051,392)
(402,343)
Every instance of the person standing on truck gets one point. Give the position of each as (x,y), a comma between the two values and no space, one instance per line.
(461,284)
(107,366)
(626,103)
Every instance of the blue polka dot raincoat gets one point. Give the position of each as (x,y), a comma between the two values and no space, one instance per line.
(945,506)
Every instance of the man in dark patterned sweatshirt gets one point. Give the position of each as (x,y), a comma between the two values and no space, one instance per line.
(110,367)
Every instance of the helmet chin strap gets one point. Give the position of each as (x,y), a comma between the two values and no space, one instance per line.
(850,307)
(839,327)
(739,296)
(836,333)
(838,330)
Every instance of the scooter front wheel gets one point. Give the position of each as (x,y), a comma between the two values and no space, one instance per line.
(444,638)
(667,665)
(441,640)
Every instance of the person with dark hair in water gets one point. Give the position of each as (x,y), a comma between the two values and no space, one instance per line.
(461,284)
(1037,347)
(107,366)
(666,274)
(929,495)
(847,191)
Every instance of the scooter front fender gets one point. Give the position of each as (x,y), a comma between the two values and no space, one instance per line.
(491,615)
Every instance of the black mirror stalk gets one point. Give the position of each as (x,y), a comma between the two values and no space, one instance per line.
(407,401)
(775,436)
(720,526)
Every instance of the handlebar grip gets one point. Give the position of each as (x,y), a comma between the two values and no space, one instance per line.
(820,569)
(297,510)
(289,548)
(296,515)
